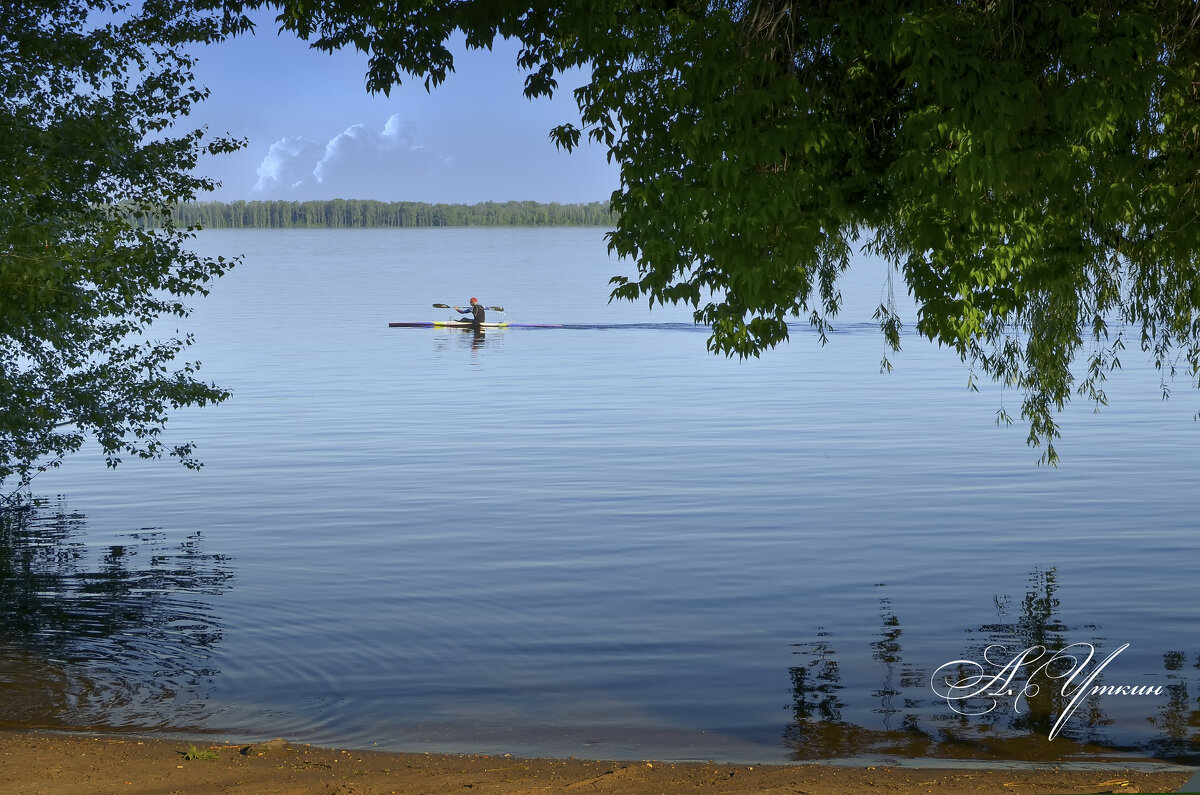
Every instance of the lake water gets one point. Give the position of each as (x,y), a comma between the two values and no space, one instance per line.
(602,541)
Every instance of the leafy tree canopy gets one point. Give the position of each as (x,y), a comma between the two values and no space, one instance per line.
(90,91)
(1029,168)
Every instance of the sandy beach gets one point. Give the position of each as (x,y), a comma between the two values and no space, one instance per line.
(53,763)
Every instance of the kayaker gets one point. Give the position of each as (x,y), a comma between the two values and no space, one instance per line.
(476,313)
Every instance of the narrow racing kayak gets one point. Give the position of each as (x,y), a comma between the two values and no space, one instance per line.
(469,325)
(444,324)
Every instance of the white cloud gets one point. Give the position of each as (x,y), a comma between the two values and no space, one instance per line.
(286,166)
(458,162)
(359,162)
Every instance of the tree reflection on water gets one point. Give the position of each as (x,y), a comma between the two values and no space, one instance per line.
(119,637)
(905,718)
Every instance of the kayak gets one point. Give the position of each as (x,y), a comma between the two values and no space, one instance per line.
(444,324)
(468,324)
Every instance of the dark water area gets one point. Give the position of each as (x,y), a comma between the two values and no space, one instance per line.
(121,635)
(603,540)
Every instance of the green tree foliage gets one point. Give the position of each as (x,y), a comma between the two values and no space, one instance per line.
(1029,168)
(361,213)
(89,93)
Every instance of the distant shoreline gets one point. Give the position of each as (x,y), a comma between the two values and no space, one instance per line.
(371,214)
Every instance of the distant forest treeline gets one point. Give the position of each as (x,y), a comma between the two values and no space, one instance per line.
(361,213)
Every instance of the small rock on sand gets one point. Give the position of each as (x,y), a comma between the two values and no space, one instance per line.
(278,744)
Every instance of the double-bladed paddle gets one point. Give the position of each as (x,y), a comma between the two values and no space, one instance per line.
(489,308)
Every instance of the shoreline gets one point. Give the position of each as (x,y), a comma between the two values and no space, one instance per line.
(62,763)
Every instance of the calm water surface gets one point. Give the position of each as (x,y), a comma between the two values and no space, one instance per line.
(600,541)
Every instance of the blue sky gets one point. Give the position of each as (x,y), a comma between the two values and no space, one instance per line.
(315,133)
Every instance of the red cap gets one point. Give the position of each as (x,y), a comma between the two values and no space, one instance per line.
(474,300)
